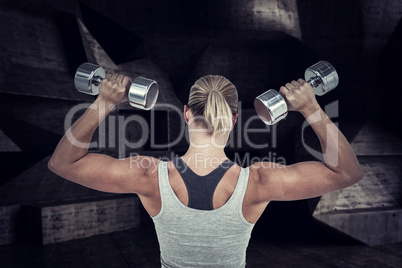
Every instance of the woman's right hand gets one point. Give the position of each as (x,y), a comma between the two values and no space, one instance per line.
(299,96)
(114,88)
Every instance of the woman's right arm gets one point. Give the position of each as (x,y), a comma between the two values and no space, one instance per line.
(309,179)
(72,161)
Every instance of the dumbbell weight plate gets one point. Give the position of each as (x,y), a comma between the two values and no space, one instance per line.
(271,107)
(143,93)
(86,78)
(327,75)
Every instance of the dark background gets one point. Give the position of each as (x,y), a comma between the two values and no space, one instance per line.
(257,44)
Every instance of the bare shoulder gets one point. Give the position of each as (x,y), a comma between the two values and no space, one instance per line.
(143,171)
(260,179)
(146,165)
(259,190)
(296,181)
(262,171)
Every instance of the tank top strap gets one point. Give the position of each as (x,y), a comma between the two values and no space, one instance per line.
(164,187)
(163,175)
(240,190)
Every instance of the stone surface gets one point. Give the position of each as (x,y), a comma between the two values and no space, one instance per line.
(370,226)
(8,226)
(7,145)
(62,221)
(372,139)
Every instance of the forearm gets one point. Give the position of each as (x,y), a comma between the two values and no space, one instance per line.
(338,154)
(75,143)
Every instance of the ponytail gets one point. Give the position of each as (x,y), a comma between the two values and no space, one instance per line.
(213,99)
(217,113)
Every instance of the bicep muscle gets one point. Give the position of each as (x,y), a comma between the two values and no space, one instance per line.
(298,181)
(107,174)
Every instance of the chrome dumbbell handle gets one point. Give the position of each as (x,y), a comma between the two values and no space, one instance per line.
(314,82)
(97,80)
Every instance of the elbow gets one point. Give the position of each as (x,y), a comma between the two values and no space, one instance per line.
(51,165)
(54,166)
(358,174)
(354,176)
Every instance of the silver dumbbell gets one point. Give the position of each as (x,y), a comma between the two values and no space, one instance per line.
(271,106)
(143,92)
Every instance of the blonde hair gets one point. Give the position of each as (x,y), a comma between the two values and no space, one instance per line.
(213,102)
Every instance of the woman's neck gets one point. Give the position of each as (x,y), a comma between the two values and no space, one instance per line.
(204,158)
(205,153)
(205,148)
(203,161)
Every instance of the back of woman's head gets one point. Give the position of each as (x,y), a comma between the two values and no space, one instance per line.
(213,102)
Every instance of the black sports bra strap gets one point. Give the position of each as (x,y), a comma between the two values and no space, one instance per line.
(201,188)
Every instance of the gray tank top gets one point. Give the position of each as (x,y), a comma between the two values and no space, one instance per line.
(191,237)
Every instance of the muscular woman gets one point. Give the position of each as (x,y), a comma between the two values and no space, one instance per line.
(204,206)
